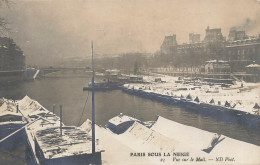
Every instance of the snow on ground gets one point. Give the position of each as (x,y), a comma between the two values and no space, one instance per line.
(151,78)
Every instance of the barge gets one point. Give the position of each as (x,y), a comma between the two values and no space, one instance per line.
(104,86)
(47,139)
(167,136)
(51,142)
(11,120)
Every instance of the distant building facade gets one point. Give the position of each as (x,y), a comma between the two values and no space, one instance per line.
(241,53)
(253,73)
(194,38)
(11,56)
(213,35)
(236,35)
(217,66)
(242,50)
(239,50)
(169,44)
(195,48)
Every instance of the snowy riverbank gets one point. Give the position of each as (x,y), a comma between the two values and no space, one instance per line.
(241,96)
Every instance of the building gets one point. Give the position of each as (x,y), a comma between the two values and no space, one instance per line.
(194,38)
(236,35)
(253,73)
(217,66)
(240,50)
(216,71)
(213,35)
(191,48)
(241,53)
(196,47)
(169,44)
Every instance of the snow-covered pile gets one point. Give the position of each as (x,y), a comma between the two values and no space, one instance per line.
(30,107)
(115,151)
(7,106)
(87,125)
(121,119)
(244,153)
(190,136)
(74,141)
(140,136)
(144,140)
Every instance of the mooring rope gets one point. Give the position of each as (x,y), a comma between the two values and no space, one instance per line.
(83,110)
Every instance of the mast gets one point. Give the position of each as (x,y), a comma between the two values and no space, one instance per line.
(93,106)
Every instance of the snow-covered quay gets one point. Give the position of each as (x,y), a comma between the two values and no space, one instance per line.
(241,99)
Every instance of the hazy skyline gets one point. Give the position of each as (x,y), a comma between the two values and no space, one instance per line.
(45,29)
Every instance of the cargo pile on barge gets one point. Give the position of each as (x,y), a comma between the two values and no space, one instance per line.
(166,136)
(49,140)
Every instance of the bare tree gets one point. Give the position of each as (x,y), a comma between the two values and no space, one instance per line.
(3,25)
(3,22)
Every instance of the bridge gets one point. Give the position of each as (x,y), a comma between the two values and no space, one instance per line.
(65,68)
(45,71)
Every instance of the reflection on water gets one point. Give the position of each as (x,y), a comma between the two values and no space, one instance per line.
(68,92)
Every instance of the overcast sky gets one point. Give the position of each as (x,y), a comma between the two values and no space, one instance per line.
(64,28)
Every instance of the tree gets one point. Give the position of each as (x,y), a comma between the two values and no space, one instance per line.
(136,67)
(3,22)
(3,25)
